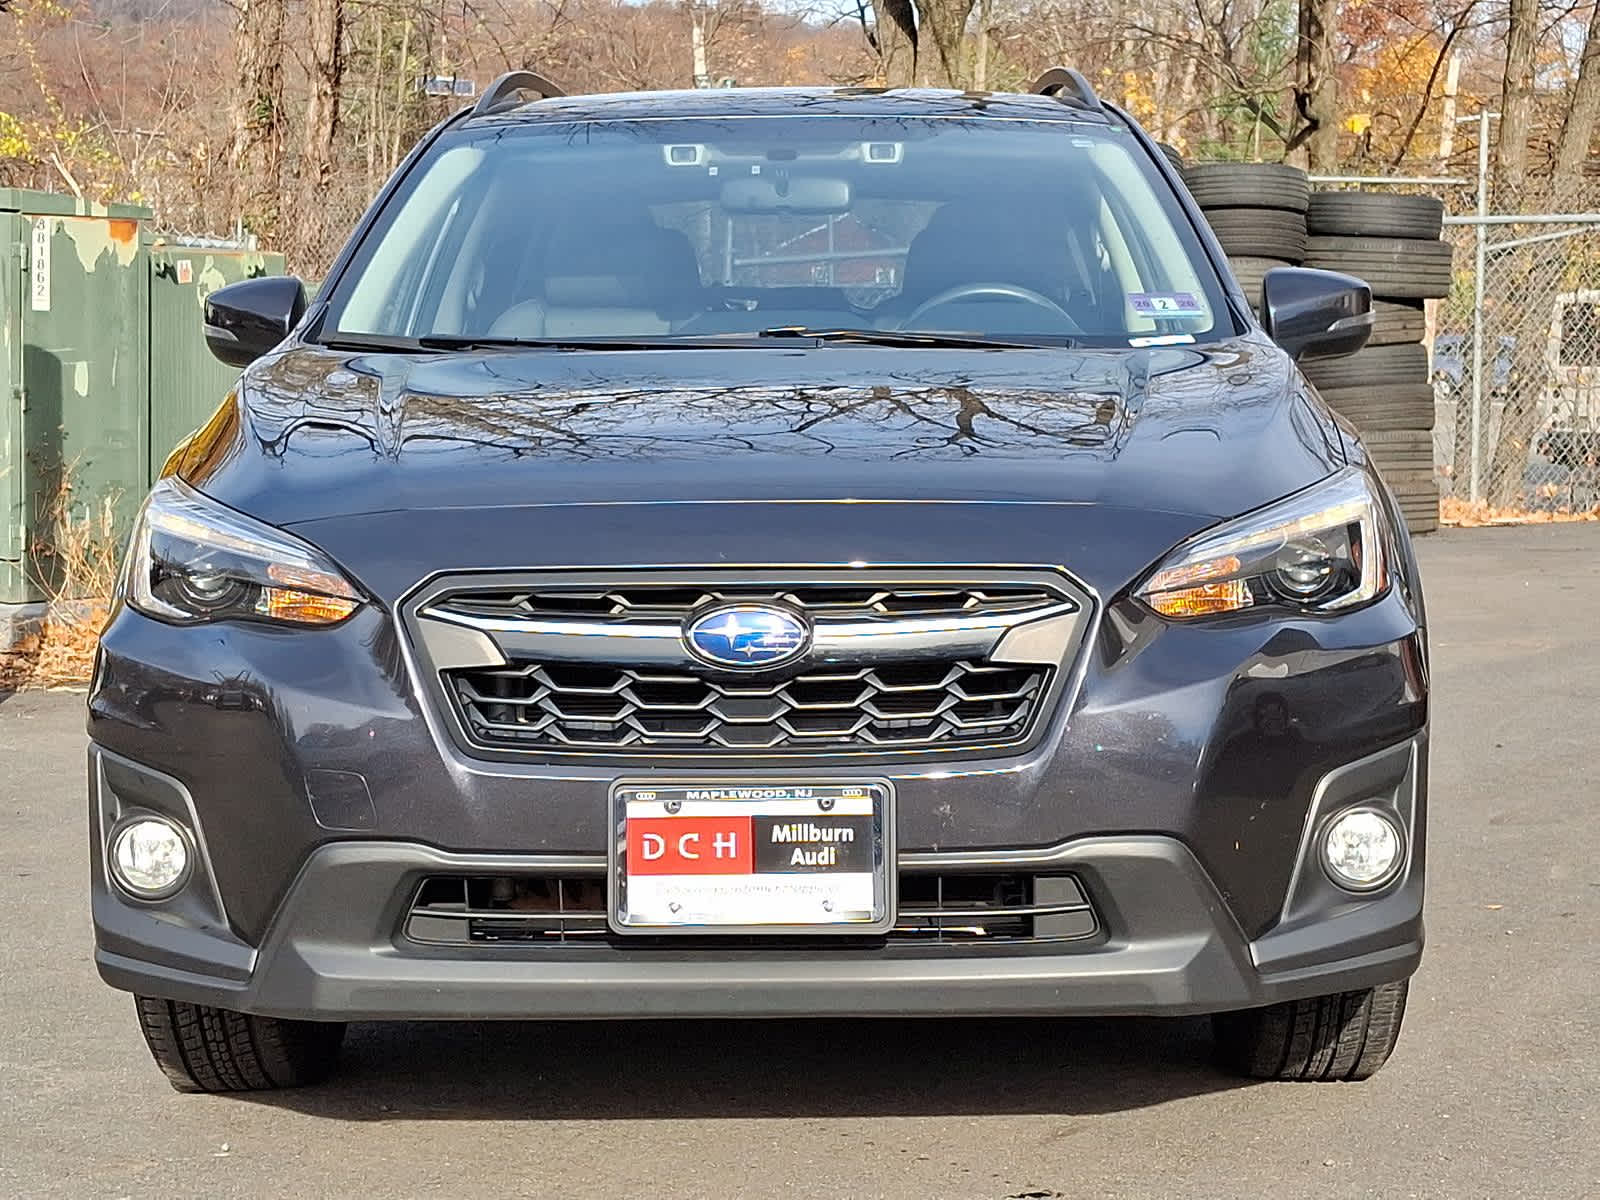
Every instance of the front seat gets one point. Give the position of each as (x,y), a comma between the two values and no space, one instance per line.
(623,277)
(971,241)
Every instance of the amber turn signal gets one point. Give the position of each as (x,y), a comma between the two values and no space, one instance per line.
(305,608)
(1204,600)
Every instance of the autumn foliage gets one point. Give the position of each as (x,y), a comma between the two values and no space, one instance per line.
(283,116)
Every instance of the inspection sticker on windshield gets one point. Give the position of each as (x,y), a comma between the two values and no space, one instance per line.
(1166,304)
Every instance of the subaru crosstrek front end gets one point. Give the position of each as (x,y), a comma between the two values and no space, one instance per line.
(767,554)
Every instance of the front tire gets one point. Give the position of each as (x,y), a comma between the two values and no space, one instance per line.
(205,1049)
(1345,1036)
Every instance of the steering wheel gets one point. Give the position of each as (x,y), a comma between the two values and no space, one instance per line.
(1008,291)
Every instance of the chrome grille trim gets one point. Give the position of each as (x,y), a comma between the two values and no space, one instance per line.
(886,639)
(641,602)
(494,638)
(622,708)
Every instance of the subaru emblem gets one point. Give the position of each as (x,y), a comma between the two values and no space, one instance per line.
(747,636)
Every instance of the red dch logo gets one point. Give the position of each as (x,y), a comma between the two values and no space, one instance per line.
(690,846)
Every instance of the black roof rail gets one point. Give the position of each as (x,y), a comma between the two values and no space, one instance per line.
(512,84)
(1057,79)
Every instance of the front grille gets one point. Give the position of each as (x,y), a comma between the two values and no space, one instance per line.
(896,663)
(460,910)
(937,703)
(987,908)
(530,909)
(656,602)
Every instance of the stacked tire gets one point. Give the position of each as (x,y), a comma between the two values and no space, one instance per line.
(1258,212)
(1393,243)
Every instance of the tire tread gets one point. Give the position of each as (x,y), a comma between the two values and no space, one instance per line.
(204,1049)
(1377,367)
(1374,214)
(1248,185)
(1342,1037)
(1395,268)
(1259,232)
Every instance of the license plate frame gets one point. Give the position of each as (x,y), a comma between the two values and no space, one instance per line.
(765,804)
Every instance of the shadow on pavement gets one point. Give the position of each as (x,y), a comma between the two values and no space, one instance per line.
(706,1069)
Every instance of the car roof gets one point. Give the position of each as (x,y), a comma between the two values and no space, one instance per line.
(796,101)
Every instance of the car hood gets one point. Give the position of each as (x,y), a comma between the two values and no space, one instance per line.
(401,465)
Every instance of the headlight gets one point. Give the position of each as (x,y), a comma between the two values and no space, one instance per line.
(1322,549)
(191,559)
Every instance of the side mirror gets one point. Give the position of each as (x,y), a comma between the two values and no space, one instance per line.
(1316,314)
(246,319)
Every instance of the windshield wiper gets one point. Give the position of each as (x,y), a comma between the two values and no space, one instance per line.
(898,337)
(369,341)
(467,341)
(435,342)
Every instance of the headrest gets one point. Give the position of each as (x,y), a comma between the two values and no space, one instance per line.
(628,263)
(970,241)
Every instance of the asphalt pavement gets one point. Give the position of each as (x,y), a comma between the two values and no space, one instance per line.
(1493,1092)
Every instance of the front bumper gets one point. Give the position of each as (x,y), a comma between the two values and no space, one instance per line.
(1169,942)
(1182,785)
(334,957)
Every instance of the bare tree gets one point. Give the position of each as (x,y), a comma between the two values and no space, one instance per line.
(325,70)
(893,37)
(1316,91)
(1516,99)
(1577,131)
(316,117)
(255,148)
(1449,27)
(944,22)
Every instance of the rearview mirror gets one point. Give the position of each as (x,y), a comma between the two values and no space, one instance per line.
(779,193)
(246,319)
(1316,314)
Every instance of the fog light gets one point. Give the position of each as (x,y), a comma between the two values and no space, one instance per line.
(150,857)
(1362,849)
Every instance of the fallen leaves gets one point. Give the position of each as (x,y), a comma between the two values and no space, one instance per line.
(60,654)
(1464,513)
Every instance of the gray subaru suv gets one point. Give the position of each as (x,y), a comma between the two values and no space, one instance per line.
(773,553)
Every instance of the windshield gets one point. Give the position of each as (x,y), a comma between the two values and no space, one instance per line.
(656,230)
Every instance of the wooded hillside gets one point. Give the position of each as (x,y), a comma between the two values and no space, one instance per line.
(285,115)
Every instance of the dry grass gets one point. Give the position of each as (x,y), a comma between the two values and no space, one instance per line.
(1453,511)
(79,565)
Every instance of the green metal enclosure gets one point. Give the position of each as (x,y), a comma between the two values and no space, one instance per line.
(12,522)
(77,386)
(186,382)
(103,365)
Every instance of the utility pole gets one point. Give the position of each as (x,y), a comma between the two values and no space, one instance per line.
(1447,128)
(1480,263)
(980,67)
(697,41)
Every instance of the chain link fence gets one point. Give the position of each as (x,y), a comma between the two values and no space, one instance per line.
(320,227)
(319,233)
(237,240)
(1516,360)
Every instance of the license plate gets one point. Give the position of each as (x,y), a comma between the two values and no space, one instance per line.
(752,858)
